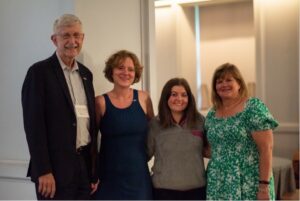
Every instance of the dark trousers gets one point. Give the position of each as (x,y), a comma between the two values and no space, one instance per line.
(79,189)
(192,194)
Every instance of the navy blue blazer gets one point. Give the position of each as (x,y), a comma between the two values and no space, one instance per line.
(50,121)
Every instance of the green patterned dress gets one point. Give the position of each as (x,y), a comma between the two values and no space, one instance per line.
(233,171)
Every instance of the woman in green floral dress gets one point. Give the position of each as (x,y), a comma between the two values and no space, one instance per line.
(239,131)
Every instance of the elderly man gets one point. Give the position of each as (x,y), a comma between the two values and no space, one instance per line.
(59,118)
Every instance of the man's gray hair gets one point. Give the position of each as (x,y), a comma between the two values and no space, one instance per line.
(65,20)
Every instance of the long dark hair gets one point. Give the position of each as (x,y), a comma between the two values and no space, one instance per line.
(164,113)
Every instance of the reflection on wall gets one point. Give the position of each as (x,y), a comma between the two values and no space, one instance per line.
(267,56)
(205,97)
(226,35)
(251,89)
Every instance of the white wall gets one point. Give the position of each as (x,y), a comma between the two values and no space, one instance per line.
(175,46)
(25,39)
(277,64)
(227,35)
(186,52)
(109,26)
(261,38)
(166,60)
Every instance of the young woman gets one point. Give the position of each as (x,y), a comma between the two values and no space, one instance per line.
(176,140)
(123,115)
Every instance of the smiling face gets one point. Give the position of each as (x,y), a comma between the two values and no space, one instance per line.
(227,87)
(178,99)
(124,74)
(68,41)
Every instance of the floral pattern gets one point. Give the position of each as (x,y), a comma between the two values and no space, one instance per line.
(233,171)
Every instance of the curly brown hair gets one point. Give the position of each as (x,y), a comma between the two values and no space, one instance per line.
(116,59)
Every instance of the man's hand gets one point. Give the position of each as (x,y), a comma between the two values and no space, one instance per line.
(94,186)
(47,185)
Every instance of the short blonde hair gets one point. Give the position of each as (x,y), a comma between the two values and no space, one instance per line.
(221,72)
(64,21)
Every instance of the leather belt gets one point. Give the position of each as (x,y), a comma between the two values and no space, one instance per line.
(82,149)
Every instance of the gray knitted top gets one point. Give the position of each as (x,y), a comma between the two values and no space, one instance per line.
(178,159)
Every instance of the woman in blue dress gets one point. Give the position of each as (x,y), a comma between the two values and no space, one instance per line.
(123,114)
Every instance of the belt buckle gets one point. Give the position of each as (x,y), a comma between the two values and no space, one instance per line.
(79,150)
(82,149)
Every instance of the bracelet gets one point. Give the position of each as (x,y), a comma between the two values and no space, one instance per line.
(263,189)
(263,182)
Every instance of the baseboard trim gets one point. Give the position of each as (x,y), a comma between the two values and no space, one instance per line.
(14,179)
(288,128)
(14,170)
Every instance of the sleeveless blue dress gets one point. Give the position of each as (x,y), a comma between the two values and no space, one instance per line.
(123,169)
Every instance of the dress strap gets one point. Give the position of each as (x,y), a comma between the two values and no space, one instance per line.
(107,101)
(135,95)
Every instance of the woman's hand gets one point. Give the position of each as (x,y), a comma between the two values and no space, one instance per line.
(263,192)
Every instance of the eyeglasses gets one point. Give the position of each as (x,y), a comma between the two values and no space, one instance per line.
(68,36)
